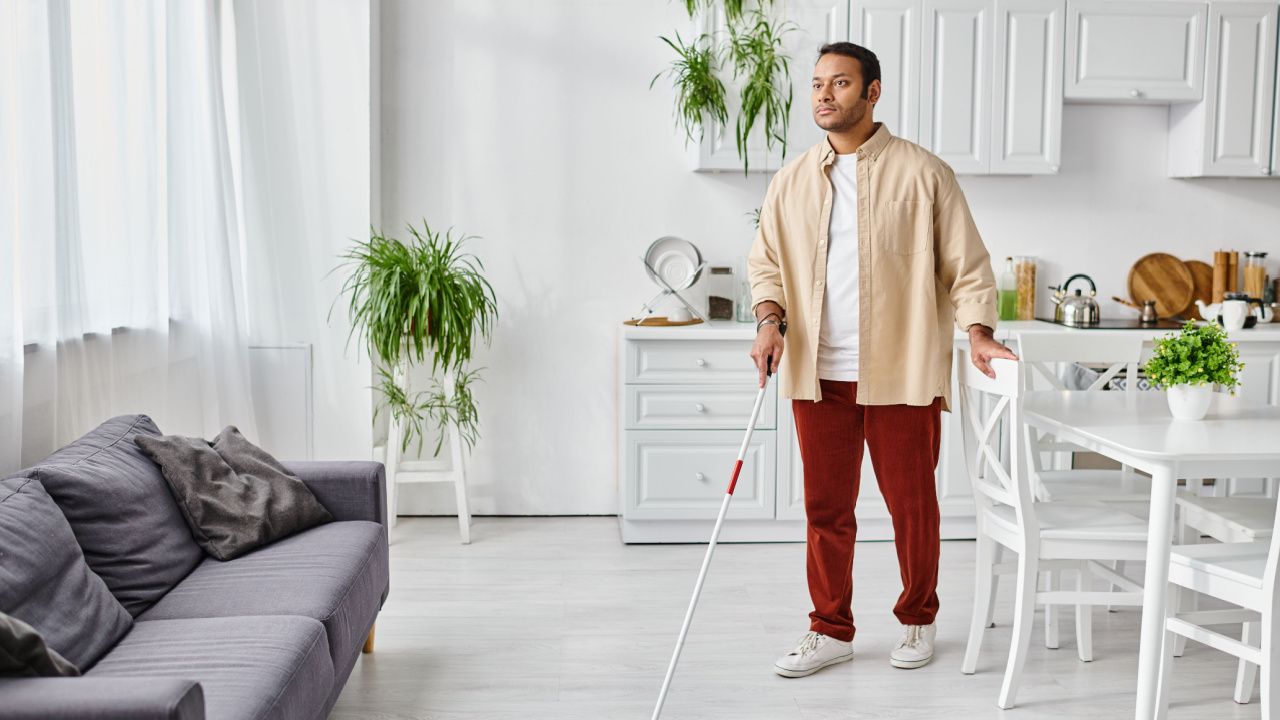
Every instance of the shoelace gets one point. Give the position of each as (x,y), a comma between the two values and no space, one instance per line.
(808,644)
(910,636)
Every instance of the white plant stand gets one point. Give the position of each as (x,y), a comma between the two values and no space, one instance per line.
(401,471)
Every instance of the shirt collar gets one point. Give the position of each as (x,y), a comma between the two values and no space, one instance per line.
(870,149)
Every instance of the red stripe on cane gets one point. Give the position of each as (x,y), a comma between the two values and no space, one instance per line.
(734,482)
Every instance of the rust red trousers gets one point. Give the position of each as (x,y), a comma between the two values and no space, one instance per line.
(903,442)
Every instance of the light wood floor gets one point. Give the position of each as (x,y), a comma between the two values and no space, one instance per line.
(556,618)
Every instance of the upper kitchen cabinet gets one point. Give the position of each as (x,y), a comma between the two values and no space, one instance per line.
(815,22)
(955,83)
(1230,133)
(1027,90)
(891,29)
(1135,51)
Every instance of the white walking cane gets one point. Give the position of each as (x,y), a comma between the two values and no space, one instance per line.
(715,535)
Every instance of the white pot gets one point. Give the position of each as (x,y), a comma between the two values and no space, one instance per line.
(1189,402)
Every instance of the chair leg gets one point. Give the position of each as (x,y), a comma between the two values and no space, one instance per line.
(460,485)
(1247,673)
(368,642)
(1270,671)
(997,556)
(1053,581)
(1188,599)
(1023,614)
(1084,617)
(1118,566)
(982,602)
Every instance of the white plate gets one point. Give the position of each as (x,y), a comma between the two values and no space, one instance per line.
(675,260)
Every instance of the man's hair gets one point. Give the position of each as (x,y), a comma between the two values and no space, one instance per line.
(870,63)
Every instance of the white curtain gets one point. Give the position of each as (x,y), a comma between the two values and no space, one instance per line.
(121,285)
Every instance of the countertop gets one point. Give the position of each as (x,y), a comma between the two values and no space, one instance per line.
(730,330)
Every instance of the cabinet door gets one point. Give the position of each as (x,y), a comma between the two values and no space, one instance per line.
(814,22)
(1230,132)
(891,29)
(1027,89)
(955,83)
(1135,51)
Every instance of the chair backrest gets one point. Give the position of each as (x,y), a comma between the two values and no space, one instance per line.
(986,403)
(1118,349)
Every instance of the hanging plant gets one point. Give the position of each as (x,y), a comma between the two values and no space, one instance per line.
(761,61)
(699,93)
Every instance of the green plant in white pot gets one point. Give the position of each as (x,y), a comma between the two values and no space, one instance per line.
(1189,363)
(416,300)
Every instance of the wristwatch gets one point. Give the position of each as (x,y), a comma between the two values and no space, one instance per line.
(782,326)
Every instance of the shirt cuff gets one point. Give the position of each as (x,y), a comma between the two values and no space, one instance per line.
(768,298)
(976,314)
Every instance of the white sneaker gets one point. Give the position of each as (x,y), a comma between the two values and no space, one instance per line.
(814,652)
(915,647)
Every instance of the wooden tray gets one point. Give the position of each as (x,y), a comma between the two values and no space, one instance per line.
(1202,274)
(1165,279)
(659,321)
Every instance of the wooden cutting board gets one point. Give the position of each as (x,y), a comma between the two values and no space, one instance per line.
(1163,278)
(1202,275)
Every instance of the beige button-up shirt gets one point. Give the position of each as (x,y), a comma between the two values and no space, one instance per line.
(921,265)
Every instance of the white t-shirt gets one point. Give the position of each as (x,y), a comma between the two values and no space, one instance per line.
(838,340)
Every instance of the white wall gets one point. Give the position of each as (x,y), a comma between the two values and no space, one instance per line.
(530,123)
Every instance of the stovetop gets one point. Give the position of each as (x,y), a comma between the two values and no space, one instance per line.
(1123,324)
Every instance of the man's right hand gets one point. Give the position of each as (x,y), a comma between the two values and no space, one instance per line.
(767,350)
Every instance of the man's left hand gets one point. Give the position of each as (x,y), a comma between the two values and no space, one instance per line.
(983,348)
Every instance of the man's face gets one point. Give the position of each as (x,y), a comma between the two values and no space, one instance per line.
(837,100)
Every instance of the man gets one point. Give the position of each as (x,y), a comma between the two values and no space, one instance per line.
(867,251)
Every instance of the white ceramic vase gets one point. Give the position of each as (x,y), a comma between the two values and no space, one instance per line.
(1189,402)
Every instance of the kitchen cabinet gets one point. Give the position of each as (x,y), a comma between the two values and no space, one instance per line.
(955,83)
(815,22)
(891,29)
(1124,50)
(1231,132)
(1026,95)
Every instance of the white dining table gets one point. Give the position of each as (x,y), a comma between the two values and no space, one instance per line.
(1237,438)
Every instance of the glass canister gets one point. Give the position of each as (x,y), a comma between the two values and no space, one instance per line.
(1008,292)
(744,293)
(1255,274)
(1024,269)
(720,287)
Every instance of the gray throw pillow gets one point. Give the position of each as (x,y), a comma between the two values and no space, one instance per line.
(23,652)
(234,495)
(45,583)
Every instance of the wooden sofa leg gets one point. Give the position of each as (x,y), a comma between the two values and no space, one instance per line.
(368,642)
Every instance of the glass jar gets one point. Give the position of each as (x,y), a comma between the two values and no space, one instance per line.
(1008,292)
(1255,274)
(720,288)
(744,293)
(1024,269)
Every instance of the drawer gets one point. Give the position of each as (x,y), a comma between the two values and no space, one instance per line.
(691,361)
(705,407)
(683,475)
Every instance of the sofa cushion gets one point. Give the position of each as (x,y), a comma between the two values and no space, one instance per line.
(121,511)
(250,668)
(234,496)
(335,573)
(24,653)
(45,582)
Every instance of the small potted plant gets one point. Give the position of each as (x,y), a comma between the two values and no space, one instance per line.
(1189,363)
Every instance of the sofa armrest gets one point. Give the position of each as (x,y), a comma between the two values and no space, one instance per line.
(349,490)
(105,698)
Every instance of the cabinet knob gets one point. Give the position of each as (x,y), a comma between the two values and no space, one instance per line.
(1053,168)
(1135,93)
(700,362)
(1266,171)
(700,407)
(699,476)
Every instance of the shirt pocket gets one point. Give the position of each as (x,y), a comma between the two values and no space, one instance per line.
(907,227)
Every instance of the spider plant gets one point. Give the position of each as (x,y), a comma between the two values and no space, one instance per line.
(732,8)
(760,60)
(700,95)
(410,300)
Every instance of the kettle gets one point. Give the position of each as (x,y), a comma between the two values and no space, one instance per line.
(1076,310)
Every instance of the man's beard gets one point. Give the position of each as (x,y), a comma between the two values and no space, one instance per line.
(847,121)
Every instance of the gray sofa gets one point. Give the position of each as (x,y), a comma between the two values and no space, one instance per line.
(272,634)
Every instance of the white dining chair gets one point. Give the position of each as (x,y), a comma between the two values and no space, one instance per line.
(1072,535)
(1243,574)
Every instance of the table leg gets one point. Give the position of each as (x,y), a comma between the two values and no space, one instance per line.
(1155,589)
